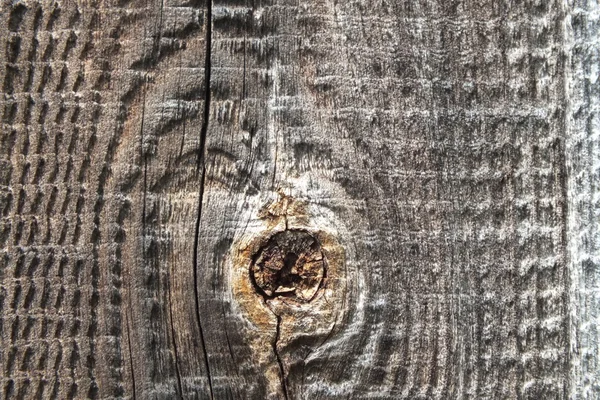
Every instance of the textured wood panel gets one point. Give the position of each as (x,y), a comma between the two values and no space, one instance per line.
(583,153)
(101,114)
(443,153)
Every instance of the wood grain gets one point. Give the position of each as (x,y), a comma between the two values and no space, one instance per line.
(444,154)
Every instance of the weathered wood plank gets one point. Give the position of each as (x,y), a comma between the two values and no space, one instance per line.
(100,133)
(441,154)
(452,201)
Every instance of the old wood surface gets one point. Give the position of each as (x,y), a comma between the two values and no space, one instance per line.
(443,153)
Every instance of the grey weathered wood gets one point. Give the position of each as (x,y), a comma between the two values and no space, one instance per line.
(445,153)
(582,155)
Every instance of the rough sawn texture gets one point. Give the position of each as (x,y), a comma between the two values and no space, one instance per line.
(450,147)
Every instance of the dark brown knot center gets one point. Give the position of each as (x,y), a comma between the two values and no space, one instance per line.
(290,264)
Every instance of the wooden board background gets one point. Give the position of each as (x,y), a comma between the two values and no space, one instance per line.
(450,147)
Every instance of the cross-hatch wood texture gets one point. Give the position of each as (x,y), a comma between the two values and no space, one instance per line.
(445,154)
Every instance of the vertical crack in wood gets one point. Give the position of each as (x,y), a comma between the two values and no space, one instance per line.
(145,183)
(144,195)
(175,352)
(207,97)
(279,362)
(244,72)
(130,357)
(275,163)
(201,166)
(227,337)
(274,344)
(196,293)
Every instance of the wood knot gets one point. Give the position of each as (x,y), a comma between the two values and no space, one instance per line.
(291,264)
